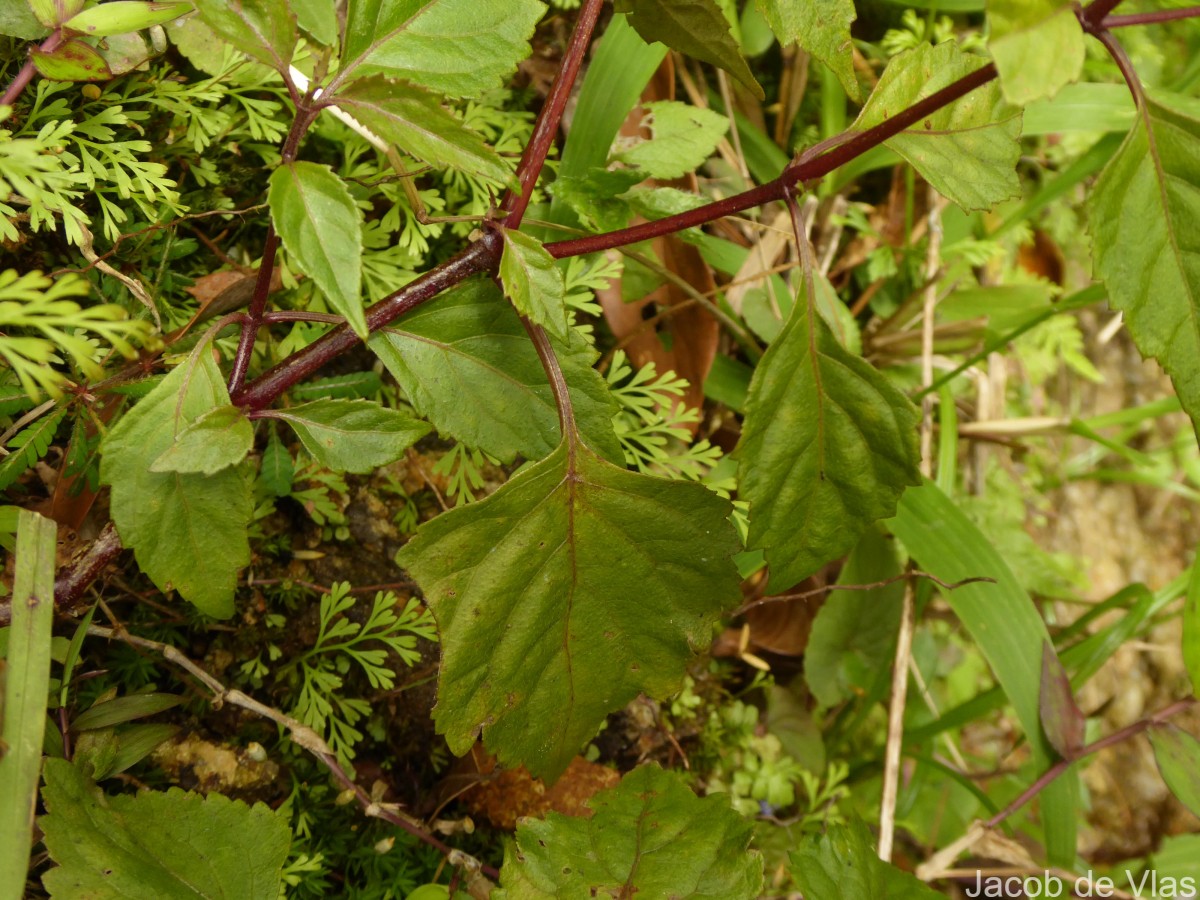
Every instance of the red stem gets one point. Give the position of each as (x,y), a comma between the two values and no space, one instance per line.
(25,75)
(1151,18)
(549,119)
(1062,765)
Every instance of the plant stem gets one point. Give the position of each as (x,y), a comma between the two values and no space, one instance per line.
(549,119)
(1062,765)
(808,167)
(305,116)
(1156,17)
(25,75)
(481,256)
(1125,64)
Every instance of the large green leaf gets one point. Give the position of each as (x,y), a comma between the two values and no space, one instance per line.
(822,27)
(165,845)
(696,28)
(843,863)
(321,228)
(565,594)
(827,447)
(1037,45)
(455,47)
(650,836)
(414,120)
(124,16)
(352,435)
(533,282)
(264,30)
(1005,625)
(467,365)
(684,136)
(216,440)
(968,150)
(188,531)
(24,684)
(1143,215)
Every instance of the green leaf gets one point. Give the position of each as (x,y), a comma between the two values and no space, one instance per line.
(821,27)
(28,446)
(158,844)
(124,709)
(843,863)
(321,227)
(533,282)
(18,20)
(1191,629)
(188,531)
(1143,212)
(218,439)
(696,28)
(53,13)
(466,364)
(854,634)
(1178,756)
(650,836)
(827,447)
(414,120)
(565,594)
(71,60)
(1005,624)
(352,435)
(265,30)
(967,150)
(318,18)
(123,16)
(684,137)
(456,47)
(23,690)
(1037,45)
(347,386)
(277,467)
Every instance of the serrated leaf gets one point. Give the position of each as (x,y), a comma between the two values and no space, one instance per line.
(277,467)
(466,364)
(456,47)
(565,594)
(650,836)
(28,446)
(1037,45)
(684,136)
(1178,756)
(321,228)
(71,60)
(186,530)
(157,844)
(265,30)
(318,18)
(696,28)
(123,16)
(218,439)
(1143,212)
(828,446)
(414,120)
(822,28)
(352,435)
(968,150)
(533,282)
(1062,720)
(843,863)
(595,197)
